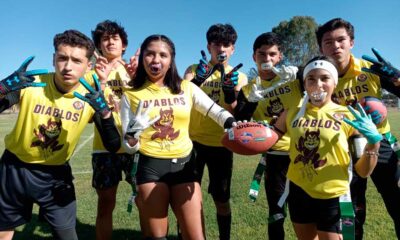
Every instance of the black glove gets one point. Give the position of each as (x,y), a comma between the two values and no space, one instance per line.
(21,78)
(229,81)
(95,97)
(203,70)
(381,67)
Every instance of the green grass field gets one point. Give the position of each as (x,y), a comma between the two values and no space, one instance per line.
(249,219)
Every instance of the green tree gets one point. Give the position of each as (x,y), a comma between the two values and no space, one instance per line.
(299,40)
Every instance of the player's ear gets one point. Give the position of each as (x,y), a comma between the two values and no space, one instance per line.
(351,43)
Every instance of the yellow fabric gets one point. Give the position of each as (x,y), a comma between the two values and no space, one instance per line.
(117,80)
(355,85)
(168,137)
(319,150)
(49,124)
(274,104)
(202,128)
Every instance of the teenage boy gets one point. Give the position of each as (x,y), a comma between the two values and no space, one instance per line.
(35,166)
(264,99)
(336,39)
(222,83)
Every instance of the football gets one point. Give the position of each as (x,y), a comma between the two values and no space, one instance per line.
(249,138)
(375,107)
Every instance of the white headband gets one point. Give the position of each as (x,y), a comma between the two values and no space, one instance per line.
(321,64)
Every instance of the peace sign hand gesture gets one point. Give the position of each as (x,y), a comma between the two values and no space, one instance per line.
(382,68)
(95,97)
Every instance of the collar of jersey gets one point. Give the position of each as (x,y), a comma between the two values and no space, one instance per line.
(70,94)
(154,87)
(354,69)
(317,109)
(268,83)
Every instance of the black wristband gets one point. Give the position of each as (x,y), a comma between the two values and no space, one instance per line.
(198,81)
(230,96)
(228,122)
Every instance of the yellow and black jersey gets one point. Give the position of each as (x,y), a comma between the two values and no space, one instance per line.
(356,84)
(49,123)
(274,103)
(319,150)
(203,129)
(117,81)
(168,137)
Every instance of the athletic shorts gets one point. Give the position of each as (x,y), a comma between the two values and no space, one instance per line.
(108,168)
(303,209)
(22,184)
(169,171)
(219,162)
(275,181)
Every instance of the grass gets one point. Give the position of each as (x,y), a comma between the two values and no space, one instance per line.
(249,219)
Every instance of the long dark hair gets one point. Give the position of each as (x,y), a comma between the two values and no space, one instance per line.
(172,79)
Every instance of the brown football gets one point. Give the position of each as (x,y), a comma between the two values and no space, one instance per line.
(249,138)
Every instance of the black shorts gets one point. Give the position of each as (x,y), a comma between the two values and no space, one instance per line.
(108,168)
(169,171)
(275,181)
(303,209)
(22,184)
(219,162)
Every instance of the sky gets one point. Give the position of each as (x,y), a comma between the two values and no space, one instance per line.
(28,27)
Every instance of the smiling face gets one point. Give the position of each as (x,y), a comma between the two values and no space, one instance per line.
(70,64)
(111,46)
(337,44)
(157,61)
(319,85)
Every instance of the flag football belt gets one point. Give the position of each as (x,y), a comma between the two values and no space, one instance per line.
(255,183)
(258,173)
(396,148)
(347,215)
(131,200)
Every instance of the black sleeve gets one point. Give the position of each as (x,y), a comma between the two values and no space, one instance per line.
(9,100)
(108,132)
(390,87)
(244,109)
(299,76)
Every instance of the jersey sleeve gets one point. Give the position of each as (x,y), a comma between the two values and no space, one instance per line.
(206,106)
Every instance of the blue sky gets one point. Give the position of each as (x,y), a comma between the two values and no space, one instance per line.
(28,27)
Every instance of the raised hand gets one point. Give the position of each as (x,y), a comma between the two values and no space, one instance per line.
(364,124)
(256,93)
(203,70)
(95,97)
(382,67)
(286,73)
(21,78)
(140,121)
(103,67)
(132,66)
(229,81)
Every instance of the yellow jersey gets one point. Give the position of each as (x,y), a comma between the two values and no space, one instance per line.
(203,129)
(49,123)
(356,84)
(274,103)
(319,150)
(117,80)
